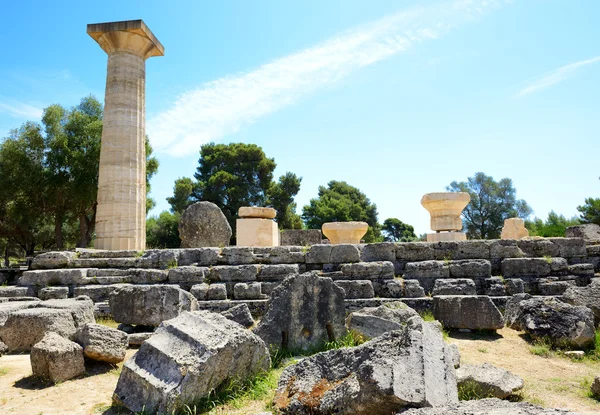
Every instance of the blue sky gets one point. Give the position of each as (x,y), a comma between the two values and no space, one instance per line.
(396,98)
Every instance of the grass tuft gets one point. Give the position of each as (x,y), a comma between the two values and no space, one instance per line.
(541,348)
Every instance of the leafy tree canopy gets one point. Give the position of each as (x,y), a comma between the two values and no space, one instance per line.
(554,226)
(590,211)
(395,230)
(163,232)
(341,202)
(491,203)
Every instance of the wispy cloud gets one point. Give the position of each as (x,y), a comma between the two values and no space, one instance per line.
(21,110)
(554,77)
(223,106)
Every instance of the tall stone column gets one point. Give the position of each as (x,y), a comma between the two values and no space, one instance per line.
(121,213)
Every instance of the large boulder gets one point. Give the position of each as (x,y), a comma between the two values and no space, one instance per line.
(511,309)
(475,312)
(7,308)
(203,224)
(81,308)
(303,312)
(149,305)
(102,343)
(488,380)
(561,323)
(588,296)
(240,314)
(24,328)
(56,359)
(372,322)
(402,368)
(491,406)
(187,358)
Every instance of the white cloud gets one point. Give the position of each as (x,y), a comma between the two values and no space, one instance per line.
(554,77)
(223,106)
(21,110)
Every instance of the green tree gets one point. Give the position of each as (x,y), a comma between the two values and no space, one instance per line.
(341,202)
(182,193)
(397,231)
(151,169)
(281,197)
(163,232)
(590,211)
(238,174)
(554,226)
(491,203)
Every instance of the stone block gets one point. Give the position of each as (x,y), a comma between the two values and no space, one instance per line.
(256,232)
(51,260)
(514,286)
(505,249)
(48,277)
(588,232)
(494,287)
(373,322)
(56,359)
(187,276)
(470,268)
(300,237)
(426,272)
(526,267)
(450,286)
(81,308)
(237,255)
(277,272)
(393,288)
(102,343)
(318,254)
(581,270)
(266,288)
(413,289)
(54,293)
(6,308)
(554,287)
(243,291)
(356,288)
(537,248)
(570,247)
(202,257)
(97,293)
(385,251)
(203,224)
(514,228)
(257,212)
(367,270)
(283,254)
(488,380)
(240,314)
(467,312)
(240,273)
(11,291)
(344,253)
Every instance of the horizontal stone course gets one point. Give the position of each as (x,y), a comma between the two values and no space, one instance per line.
(367,270)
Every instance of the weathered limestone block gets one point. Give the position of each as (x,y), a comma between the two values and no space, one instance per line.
(187,276)
(282,254)
(505,248)
(490,406)
(488,380)
(240,314)
(97,293)
(561,323)
(356,288)
(300,237)
(256,232)
(399,369)
(203,224)
(51,260)
(550,287)
(8,307)
(54,293)
(470,268)
(368,270)
(149,305)
(205,292)
(475,312)
(136,339)
(514,228)
(81,308)
(426,272)
(24,328)
(538,247)
(200,257)
(147,276)
(257,212)
(11,291)
(393,288)
(514,286)
(384,251)
(570,247)
(494,287)
(588,232)
(304,311)
(243,291)
(585,296)
(455,353)
(277,272)
(239,273)
(413,289)
(582,270)
(345,232)
(267,287)
(526,267)
(425,251)
(460,286)
(44,278)
(344,253)
(237,255)
(372,322)
(56,359)
(185,359)
(102,343)
(452,236)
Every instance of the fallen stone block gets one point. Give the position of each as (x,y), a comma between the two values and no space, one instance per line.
(81,308)
(229,273)
(185,359)
(585,296)
(303,312)
(240,314)
(488,381)
(475,312)
(399,369)
(10,291)
(8,307)
(372,322)
(53,293)
(102,343)
(149,305)
(56,359)
(136,339)
(50,260)
(490,406)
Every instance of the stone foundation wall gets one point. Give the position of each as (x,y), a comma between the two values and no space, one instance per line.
(370,274)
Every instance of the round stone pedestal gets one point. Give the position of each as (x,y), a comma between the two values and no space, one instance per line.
(345,232)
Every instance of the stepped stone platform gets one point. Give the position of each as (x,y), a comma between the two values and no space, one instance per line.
(371,274)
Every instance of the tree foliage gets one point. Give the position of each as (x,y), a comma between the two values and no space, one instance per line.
(49,178)
(554,226)
(590,211)
(395,230)
(491,203)
(341,202)
(237,174)
(182,191)
(163,232)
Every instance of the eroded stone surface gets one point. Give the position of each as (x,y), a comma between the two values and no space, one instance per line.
(203,224)
(488,380)
(102,343)
(475,312)
(372,322)
(56,359)
(490,406)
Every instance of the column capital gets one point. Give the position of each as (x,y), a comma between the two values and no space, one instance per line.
(131,36)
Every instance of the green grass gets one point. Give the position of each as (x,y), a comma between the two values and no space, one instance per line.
(427,315)
(482,350)
(541,348)
(108,322)
(3,371)
(469,390)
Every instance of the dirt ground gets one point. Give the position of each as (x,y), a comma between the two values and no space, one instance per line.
(554,382)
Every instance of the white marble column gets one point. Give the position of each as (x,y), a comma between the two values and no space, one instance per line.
(121,214)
